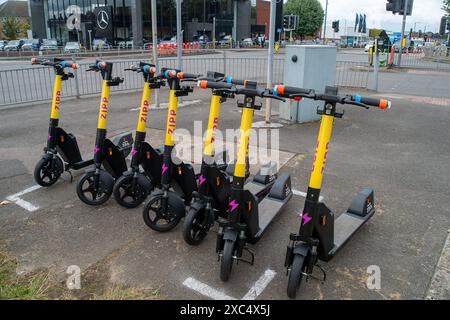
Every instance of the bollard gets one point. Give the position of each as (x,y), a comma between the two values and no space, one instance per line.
(77,87)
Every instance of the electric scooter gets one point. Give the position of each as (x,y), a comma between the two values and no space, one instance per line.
(214,184)
(178,181)
(60,144)
(133,186)
(321,236)
(254,204)
(96,185)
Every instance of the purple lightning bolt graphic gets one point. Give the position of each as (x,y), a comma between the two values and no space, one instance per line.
(164,168)
(306,218)
(133,152)
(202,179)
(96,149)
(233,205)
(50,137)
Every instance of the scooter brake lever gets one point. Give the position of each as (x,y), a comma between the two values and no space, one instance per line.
(274,97)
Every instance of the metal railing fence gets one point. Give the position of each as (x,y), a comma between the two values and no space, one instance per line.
(35,83)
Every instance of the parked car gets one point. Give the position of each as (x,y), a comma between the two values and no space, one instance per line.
(100,44)
(203,39)
(14,45)
(31,44)
(3,43)
(49,44)
(225,41)
(72,47)
(247,42)
(169,40)
(126,44)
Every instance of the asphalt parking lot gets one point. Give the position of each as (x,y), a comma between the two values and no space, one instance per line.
(402,153)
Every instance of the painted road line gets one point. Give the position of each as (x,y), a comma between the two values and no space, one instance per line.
(206,290)
(440,283)
(303,194)
(22,203)
(260,285)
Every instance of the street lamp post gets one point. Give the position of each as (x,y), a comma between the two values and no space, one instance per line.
(403,34)
(325,22)
(155,45)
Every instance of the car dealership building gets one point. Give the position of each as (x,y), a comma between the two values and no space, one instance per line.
(117,20)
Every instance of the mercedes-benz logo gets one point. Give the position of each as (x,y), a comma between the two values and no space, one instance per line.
(102,19)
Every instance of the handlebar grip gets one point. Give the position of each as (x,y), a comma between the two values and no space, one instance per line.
(380,103)
(234,81)
(205,84)
(149,69)
(185,76)
(285,91)
(37,61)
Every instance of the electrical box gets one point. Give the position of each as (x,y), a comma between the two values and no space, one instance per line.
(309,67)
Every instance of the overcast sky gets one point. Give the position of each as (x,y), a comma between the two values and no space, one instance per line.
(427,13)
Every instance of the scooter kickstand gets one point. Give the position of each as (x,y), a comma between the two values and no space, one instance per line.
(251,261)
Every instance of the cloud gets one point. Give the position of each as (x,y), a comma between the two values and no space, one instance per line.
(426,13)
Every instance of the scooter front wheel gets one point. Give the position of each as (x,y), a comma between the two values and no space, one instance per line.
(295,275)
(48,170)
(193,230)
(226,261)
(160,218)
(95,188)
(129,192)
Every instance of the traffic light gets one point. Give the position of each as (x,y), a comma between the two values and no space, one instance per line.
(394,6)
(397,6)
(286,20)
(336,26)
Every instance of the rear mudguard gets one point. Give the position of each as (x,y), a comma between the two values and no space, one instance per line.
(302,249)
(106,178)
(175,202)
(201,205)
(231,235)
(142,180)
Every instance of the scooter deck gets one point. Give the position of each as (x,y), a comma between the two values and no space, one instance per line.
(254,187)
(268,210)
(346,225)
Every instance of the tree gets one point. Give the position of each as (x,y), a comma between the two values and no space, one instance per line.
(446,7)
(14,28)
(310,13)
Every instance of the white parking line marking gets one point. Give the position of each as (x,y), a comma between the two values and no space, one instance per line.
(206,290)
(23,192)
(214,294)
(22,203)
(303,194)
(260,285)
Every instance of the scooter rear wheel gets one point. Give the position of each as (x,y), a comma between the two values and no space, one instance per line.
(193,231)
(48,170)
(89,194)
(154,213)
(226,262)
(295,275)
(126,194)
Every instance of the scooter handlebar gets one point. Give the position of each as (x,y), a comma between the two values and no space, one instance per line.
(54,63)
(294,92)
(207,84)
